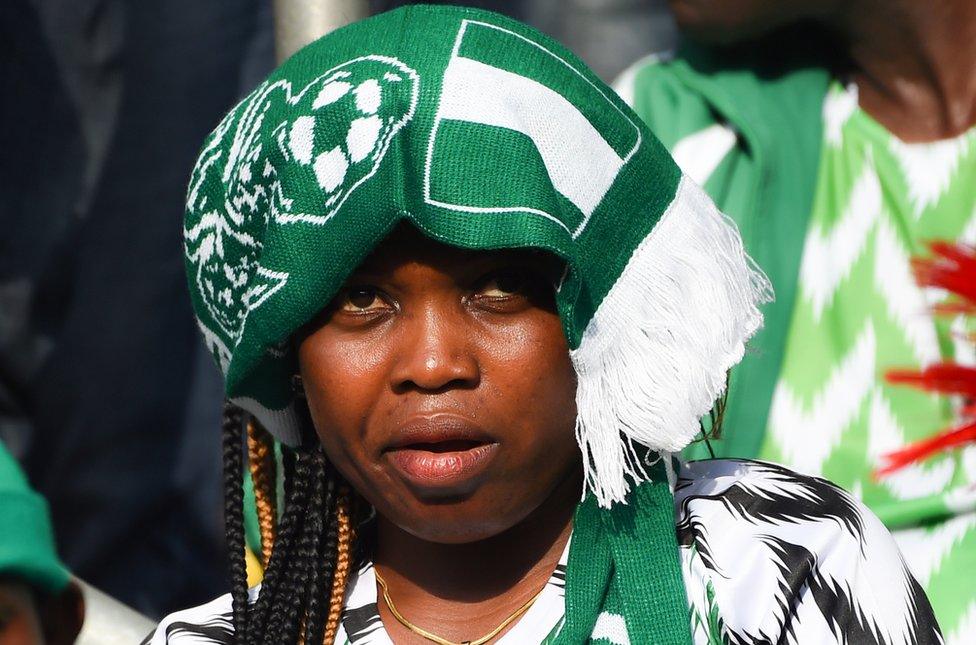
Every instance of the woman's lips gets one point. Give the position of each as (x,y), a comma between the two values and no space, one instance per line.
(449,470)
(441,455)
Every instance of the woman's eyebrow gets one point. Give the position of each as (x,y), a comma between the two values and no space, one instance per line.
(466,266)
(361,276)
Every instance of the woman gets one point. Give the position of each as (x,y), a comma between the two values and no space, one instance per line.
(840,135)
(428,257)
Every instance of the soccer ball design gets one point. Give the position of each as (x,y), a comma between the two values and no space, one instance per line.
(347,122)
(261,161)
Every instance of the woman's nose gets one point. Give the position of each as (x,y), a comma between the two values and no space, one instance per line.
(435,352)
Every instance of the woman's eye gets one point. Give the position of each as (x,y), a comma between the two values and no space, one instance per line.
(362,299)
(503,284)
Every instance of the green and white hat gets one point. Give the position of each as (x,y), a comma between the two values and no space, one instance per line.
(485,134)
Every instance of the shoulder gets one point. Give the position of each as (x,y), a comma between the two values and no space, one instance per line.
(209,624)
(680,116)
(647,70)
(813,562)
(656,88)
(680,93)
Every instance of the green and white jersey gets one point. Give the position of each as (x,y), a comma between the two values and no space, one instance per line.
(858,313)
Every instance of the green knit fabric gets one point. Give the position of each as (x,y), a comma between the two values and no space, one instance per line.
(619,565)
(26,542)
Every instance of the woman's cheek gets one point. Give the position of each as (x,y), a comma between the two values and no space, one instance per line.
(342,373)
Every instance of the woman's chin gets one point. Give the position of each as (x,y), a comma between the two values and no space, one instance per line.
(460,520)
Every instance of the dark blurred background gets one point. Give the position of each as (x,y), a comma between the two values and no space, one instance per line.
(107,395)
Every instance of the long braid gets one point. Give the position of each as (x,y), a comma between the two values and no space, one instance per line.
(289,593)
(261,459)
(343,565)
(323,575)
(233,438)
(308,558)
(268,604)
(304,561)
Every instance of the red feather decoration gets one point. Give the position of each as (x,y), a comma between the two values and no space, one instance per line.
(952,267)
(926,447)
(945,378)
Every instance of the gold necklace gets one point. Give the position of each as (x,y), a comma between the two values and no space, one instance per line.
(443,641)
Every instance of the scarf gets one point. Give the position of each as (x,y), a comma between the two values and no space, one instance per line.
(623,578)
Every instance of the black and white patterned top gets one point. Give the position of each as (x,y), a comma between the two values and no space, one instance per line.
(361,623)
(768,556)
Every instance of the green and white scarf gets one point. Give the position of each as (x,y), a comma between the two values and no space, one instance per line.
(484,134)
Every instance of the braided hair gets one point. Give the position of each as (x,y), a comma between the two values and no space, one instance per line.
(261,461)
(307,550)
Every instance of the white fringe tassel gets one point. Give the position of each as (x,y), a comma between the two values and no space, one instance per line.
(653,359)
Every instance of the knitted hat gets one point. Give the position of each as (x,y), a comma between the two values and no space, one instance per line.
(26,540)
(484,134)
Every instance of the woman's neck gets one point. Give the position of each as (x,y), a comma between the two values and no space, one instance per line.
(461,591)
(914,63)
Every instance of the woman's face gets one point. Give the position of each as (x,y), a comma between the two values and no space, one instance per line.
(440,384)
(29,617)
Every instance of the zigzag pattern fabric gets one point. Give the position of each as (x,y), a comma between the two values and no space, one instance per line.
(859,313)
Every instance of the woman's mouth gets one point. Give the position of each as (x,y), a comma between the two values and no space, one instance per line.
(441,456)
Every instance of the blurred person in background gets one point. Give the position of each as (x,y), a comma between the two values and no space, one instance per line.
(107,396)
(840,136)
(606,34)
(38,601)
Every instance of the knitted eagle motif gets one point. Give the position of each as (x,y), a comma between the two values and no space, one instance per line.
(373,96)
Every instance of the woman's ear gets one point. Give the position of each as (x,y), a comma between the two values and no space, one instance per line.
(62,615)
